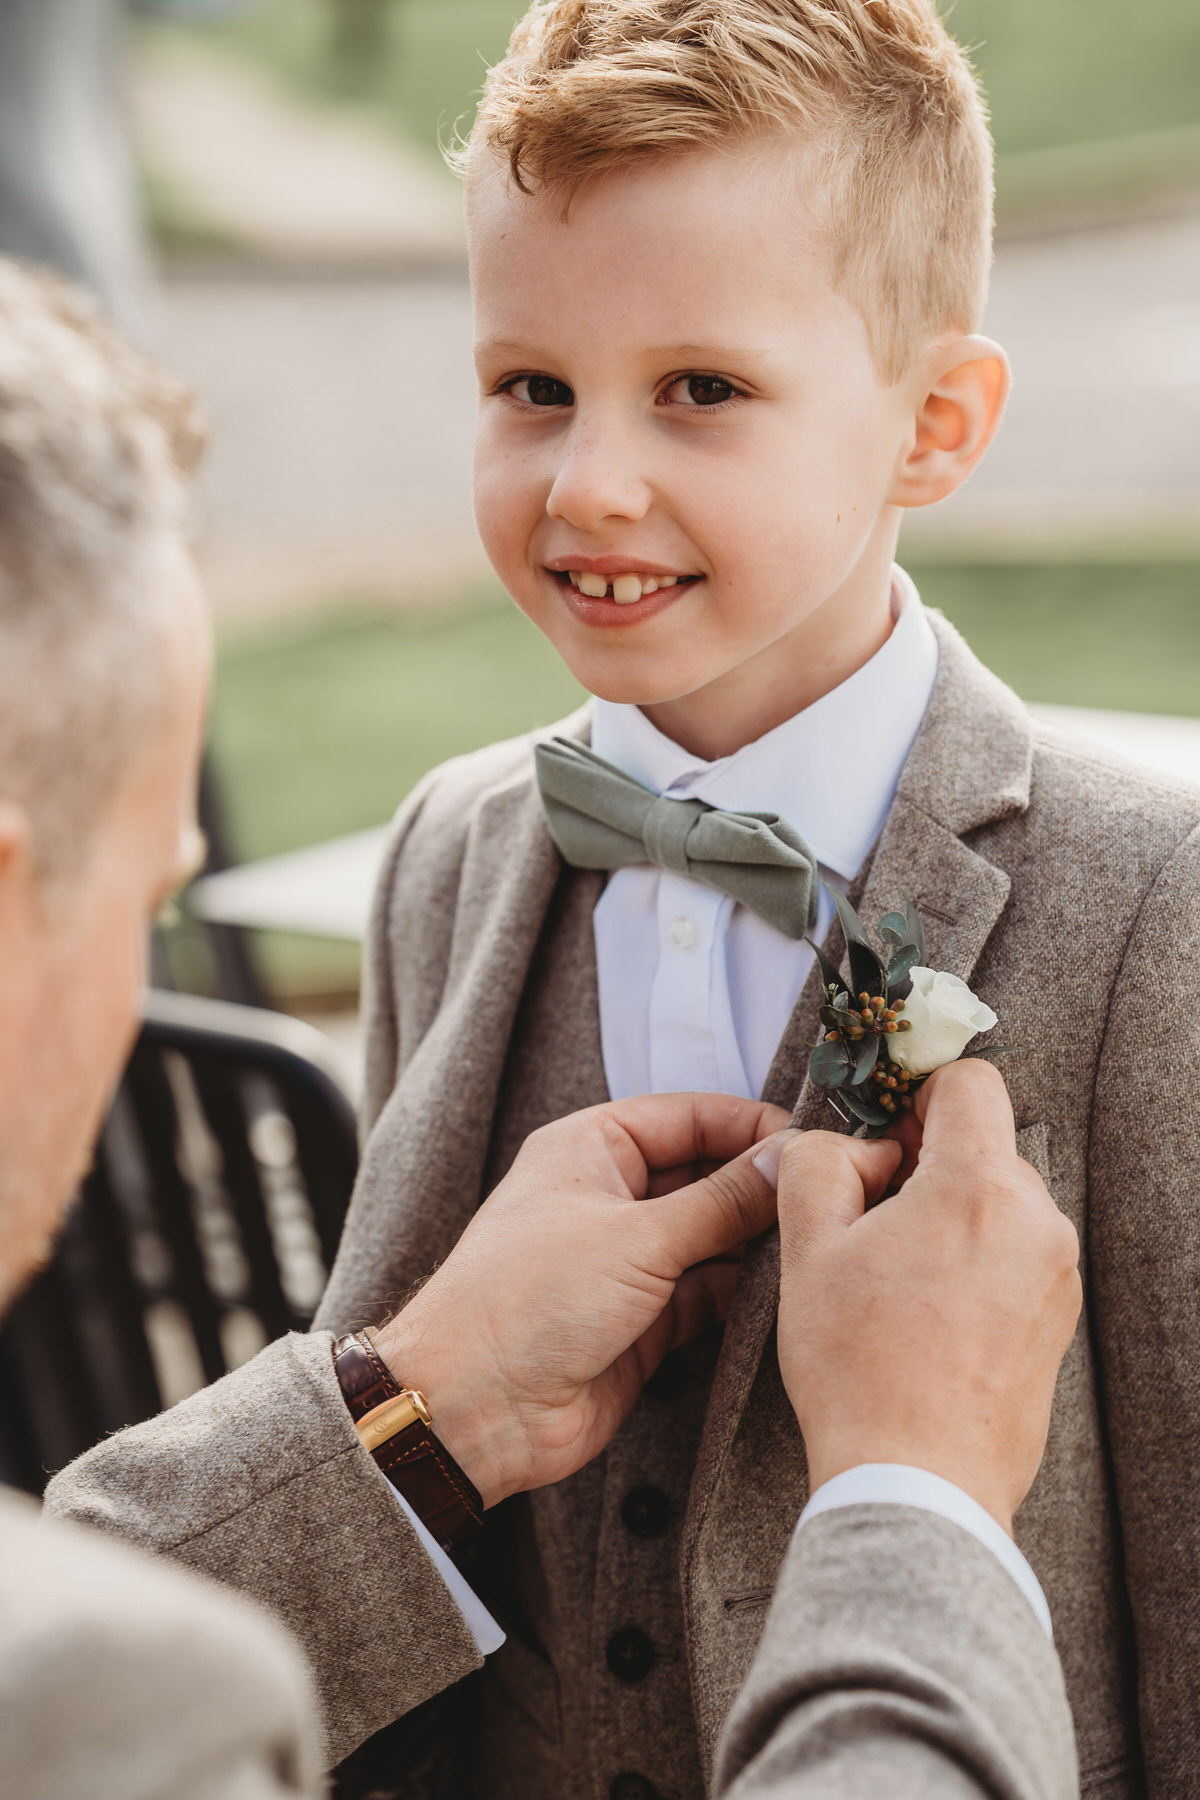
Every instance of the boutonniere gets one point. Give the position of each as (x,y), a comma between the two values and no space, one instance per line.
(898,1023)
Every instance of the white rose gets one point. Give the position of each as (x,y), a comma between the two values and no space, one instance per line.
(944,1015)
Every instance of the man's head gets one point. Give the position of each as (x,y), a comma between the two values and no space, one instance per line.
(103,672)
(729,257)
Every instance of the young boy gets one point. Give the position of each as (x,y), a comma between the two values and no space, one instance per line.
(729,261)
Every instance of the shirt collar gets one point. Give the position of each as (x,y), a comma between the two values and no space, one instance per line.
(831,770)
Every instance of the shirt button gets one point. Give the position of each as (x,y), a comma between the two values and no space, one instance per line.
(685,933)
(632,1787)
(646,1512)
(629,1654)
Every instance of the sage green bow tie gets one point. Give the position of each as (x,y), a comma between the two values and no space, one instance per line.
(601,818)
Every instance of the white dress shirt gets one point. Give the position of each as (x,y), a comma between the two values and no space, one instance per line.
(478,1620)
(696,990)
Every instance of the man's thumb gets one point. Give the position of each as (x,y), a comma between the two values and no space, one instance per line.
(716,1215)
(826,1182)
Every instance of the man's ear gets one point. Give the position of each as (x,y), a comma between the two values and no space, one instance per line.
(966,385)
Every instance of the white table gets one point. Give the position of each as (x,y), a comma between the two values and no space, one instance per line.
(325,890)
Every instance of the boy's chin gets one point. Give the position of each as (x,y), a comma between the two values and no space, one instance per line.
(643,686)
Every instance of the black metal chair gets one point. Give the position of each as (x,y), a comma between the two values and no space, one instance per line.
(206,1228)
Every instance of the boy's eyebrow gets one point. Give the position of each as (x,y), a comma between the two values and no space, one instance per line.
(707,353)
(703,353)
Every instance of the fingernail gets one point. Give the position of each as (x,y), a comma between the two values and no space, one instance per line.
(770,1156)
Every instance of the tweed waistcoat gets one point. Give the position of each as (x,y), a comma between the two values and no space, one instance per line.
(1066,889)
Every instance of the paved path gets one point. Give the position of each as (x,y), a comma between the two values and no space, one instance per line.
(1102,440)
(343,411)
(282,177)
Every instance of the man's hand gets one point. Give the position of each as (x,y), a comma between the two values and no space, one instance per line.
(929,1330)
(534,1338)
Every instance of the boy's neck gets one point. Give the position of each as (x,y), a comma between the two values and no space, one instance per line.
(800,668)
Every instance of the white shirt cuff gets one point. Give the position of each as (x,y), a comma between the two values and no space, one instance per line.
(874,1484)
(478,1620)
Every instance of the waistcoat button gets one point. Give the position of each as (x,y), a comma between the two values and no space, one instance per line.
(629,1654)
(646,1511)
(632,1787)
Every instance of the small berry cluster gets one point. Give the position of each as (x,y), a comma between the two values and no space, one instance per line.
(893,1085)
(896,1087)
(876,1016)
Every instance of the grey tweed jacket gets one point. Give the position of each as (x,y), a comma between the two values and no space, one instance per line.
(260,1482)
(124,1680)
(1066,888)
(121,1679)
(898,1659)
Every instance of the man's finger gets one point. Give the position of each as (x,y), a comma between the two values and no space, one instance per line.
(826,1183)
(670,1129)
(965,1110)
(715,1215)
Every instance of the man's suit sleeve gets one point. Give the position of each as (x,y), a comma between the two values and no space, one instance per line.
(899,1658)
(121,1679)
(260,1482)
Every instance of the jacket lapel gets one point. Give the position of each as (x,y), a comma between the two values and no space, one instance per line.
(969,767)
(428,1147)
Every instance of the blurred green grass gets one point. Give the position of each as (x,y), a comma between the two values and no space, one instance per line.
(322,726)
(1057,71)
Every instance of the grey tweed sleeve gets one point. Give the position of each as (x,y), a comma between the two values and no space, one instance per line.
(899,1658)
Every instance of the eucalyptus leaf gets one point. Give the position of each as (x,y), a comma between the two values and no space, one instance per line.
(866,1055)
(829,1065)
(853,929)
(899,966)
(866,970)
(832,1019)
(864,1110)
(892,928)
(829,972)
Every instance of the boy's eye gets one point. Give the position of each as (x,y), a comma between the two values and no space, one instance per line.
(700,390)
(541,390)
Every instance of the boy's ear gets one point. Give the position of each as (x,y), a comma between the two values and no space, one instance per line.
(966,387)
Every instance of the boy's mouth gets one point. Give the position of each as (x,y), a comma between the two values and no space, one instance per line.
(625,589)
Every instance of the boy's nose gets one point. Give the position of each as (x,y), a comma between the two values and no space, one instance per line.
(595,481)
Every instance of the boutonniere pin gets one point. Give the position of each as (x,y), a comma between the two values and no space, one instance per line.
(898,1022)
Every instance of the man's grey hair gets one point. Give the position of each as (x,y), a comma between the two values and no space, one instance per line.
(97,445)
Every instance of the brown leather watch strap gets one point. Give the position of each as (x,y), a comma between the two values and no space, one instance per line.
(411,1457)
(364,1377)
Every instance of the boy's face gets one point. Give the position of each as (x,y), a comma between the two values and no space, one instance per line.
(673,390)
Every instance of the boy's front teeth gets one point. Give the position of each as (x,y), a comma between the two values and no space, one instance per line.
(626,589)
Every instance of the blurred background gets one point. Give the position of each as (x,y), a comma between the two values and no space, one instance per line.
(306,267)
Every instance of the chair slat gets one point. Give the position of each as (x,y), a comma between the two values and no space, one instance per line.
(184,1237)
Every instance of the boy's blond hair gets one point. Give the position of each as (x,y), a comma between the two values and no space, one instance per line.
(878,87)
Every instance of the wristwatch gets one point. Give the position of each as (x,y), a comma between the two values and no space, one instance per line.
(394,1424)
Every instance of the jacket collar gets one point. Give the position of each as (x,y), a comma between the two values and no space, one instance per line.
(970,766)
